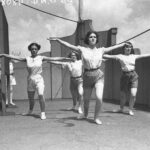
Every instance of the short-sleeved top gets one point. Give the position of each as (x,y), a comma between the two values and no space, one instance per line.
(34,65)
(127,61)
(92,58)
(75,68)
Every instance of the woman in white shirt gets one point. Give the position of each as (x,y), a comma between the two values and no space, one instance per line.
(129,78)
(76,81)
(35,79)
(93,75)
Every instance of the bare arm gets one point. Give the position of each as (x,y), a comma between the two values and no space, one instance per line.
(106,56)
(72,47)
(143,56)
(1,55)
(111,48)
(14,57)
(57,62)
(57,59)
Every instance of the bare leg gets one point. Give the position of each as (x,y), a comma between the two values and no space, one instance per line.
(132,100)
(86,99)
(31,101)
(123,100)
(87,96)
(74,98)
(99,98)
(42,106)
(80,97)
(11,95)
(42,103)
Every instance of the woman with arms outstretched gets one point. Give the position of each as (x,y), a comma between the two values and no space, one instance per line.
(76,81)
(35,80)
(93,75)
(129,78)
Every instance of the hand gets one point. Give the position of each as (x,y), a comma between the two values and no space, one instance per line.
(52,39)
(3,55)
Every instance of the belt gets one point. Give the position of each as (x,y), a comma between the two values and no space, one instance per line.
(128,71)
(76,77)
(92,69)
(11,74)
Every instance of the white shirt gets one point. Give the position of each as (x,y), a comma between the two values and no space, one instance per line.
(11,68)
(127,61)
(34,65)
(92,58)
(75,68)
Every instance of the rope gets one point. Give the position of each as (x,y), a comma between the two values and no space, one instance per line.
(60,85)
(46,12)
(135,36)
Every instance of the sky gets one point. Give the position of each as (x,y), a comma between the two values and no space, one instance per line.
(26,25)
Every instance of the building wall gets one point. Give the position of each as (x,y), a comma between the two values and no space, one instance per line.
(56,72)
(142,68)
(4,48)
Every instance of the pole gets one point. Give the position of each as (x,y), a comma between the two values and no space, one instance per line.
(135,36)
(80,10)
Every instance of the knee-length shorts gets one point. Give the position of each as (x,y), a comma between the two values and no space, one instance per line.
(36,83)
(92,78)
(75,81)
(128,80)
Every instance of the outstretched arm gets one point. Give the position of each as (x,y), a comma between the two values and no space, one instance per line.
(1,55)
(106,56)
(72,47)
(57,59)
(14,57)
(111,48)
(57,62)
(143,56)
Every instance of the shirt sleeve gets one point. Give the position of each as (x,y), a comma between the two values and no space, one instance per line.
(81,48)
(65,65)
(118,57)
(136,56)
(26,58)
(103,49)
(42,57)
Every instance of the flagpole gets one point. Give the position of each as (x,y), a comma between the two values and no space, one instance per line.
(80,8)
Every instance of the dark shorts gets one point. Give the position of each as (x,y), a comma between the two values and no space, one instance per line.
(90,77)
(75,81)
(128,80)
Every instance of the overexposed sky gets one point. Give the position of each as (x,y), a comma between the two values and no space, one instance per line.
(26,25)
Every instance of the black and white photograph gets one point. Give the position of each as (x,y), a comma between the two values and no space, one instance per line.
(74,74)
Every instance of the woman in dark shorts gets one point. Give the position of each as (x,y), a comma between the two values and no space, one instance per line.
(76,81)
(129,78)
(93,75)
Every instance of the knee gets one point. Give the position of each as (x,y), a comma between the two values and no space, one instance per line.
(41,98)
(99,96)
(31,97)
(86,102)
(80,93)
(99,100)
